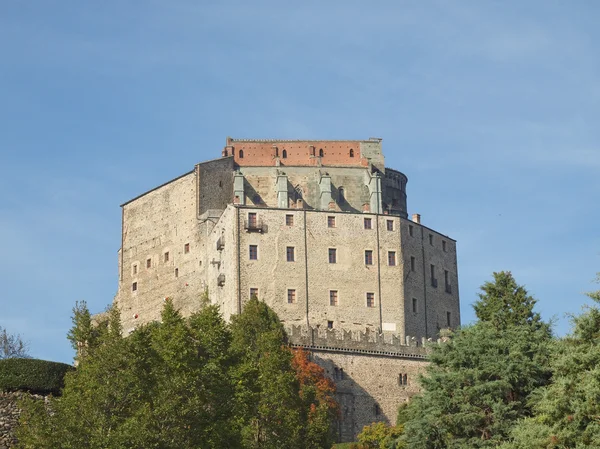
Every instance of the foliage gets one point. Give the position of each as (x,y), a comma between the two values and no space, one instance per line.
(33,375)
(84,335)
(317,395)
(269,408)
(567,411)
(478,383)
(11,346)
(380,435)
(184,383)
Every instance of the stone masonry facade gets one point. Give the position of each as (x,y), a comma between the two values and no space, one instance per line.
(319,230)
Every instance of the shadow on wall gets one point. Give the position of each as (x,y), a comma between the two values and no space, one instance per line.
(357,407)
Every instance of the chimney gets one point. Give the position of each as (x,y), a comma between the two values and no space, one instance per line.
(416,218)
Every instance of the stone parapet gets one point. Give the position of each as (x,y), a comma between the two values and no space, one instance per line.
(367,342)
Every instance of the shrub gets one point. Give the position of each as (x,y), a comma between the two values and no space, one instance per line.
(33,375)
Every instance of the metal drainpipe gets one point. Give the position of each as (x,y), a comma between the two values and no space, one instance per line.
(379,276)
(239,260)
(424,279)
(306,272)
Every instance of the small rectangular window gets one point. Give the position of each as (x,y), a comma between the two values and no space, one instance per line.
(254,293)
(410,230)
(252,219)
(431,239)
(370,299)
(186,248)
(291,296)
(368,223)
(390,225)
(448,319)
(134,287)
(166,259)
(414,305)
(290,253)
(333,297)
(148,263)
(392,258)
(135,268)
(289,220)
(413,263)
(253,252)
(368,257)
(447,285)
(433,279)
(332,255)
(444,245)
(331,221)
(329,324)
(176,272)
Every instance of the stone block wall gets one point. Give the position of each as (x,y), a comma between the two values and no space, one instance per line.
(9,415)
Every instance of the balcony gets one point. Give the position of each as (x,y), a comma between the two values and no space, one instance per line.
(255,226)
(221,280)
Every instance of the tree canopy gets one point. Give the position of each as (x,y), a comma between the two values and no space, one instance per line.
(12,346)
(478,383)
(184,383)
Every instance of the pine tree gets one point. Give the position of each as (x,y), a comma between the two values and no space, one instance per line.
(478,384)
(567,412)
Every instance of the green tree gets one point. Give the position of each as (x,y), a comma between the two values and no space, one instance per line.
(380,435)
(478,384)
(11,346)
(156,388)
(268,408)
(567,412)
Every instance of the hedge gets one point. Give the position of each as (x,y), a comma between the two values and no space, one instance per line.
(33,375)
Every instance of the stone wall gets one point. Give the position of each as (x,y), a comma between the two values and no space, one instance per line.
(9,415)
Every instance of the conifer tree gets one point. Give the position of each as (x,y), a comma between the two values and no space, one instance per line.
(478,384)
(567,412)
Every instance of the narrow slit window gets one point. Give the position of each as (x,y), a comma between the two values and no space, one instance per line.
(148,263)
(333,297)
(351,152)
(414,305)
(291,296)
(134,287)
(413,263)
(166,258)
(186,248)
(370,299)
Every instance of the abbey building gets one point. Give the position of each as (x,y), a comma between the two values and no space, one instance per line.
(319,231)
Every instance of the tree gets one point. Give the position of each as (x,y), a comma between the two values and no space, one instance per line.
(478,384)
(12,346)
(269,408)
(158,388)
(567,411)
(319,405)
(380,435)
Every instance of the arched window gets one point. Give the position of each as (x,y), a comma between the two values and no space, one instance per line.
(341,196)
(321,153)
(241,154)
(351,152)
(284,154)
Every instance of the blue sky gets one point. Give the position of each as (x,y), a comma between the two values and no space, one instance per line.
(490,108)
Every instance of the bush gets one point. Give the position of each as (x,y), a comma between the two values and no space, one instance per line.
(33,375)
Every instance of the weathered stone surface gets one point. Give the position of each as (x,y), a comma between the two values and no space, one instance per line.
(9,415)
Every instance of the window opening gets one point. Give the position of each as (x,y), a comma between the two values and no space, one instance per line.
(290,254)
(351,152)
(289,220)
(166,256)
(448,318)
(332,255)
(331,222)
(414,305)
(241,154)
(392,258)
(186,248)
(284,154)
(148,263)
(253,293)
(333,297)
(410,230)
(329,324)
(321,153)
(176,272)
(134,287)
(370,299)
(291,296)
(368,257)
(253,252)
(412,263)
(135,269)
(368,223)
(390,225)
